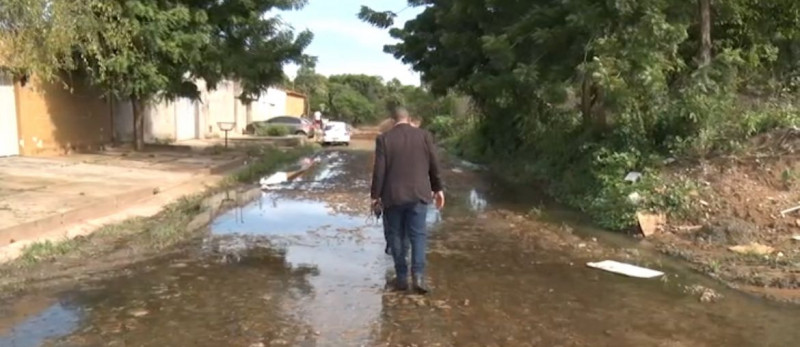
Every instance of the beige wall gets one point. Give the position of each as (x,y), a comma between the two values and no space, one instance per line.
(295,105)
(54,120)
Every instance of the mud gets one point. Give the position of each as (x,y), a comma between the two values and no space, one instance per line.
(303,265)
(738,201)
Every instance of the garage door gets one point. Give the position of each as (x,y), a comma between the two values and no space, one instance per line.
(185,119)
(9,141)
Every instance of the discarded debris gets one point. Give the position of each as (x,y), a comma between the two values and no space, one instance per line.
(471,166)
(625,269)
(796,237)
(633,176)
(752,248)
(789,210)
(690,228)
(138,312)
(634,198)
(457,170)
(651,223)
(274,179)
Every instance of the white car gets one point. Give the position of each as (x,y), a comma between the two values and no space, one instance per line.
(336,133)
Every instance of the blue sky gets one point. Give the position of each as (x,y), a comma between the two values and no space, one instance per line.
(344,44)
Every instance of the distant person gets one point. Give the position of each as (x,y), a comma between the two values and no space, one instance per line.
(318,119)
(405,180)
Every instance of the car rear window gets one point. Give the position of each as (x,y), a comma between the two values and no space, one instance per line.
(335,126)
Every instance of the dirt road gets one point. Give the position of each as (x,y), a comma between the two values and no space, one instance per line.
(303,265)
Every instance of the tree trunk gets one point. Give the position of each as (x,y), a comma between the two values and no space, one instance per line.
(138,124)
(586,102)
(705,31)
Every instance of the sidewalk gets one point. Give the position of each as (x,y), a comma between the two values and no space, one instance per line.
(54,198)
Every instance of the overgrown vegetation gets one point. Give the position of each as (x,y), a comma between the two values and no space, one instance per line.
(172,224)
(576,94)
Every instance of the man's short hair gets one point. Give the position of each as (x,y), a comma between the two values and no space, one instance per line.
(399,113)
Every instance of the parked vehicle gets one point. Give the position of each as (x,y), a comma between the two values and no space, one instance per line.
(336,133)
(295,125)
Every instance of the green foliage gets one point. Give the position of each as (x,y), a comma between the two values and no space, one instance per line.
(575,94)
(272,130)
(47,250)
(364,99)
(143,49)
(349,105)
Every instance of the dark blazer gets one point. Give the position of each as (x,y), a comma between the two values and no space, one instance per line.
(406,167)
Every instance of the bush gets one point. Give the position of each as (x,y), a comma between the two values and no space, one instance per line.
(272,130)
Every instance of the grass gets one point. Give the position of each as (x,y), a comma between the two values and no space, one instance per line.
(47,250)
(169,226)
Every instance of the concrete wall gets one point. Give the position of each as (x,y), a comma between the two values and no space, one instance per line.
(271,103)
(295,104)
(214,106)
(159,122)
(55,120)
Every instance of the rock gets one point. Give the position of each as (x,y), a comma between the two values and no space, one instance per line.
(651,223)
(729,231)
(752,248)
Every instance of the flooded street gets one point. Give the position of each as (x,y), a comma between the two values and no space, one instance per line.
(304,265)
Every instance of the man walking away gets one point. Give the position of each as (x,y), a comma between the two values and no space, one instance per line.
(405,180)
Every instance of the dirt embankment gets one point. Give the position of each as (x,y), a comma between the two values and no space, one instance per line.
(744,232)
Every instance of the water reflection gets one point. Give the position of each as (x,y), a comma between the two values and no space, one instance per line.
(476,201)
(53,322)
(345,251)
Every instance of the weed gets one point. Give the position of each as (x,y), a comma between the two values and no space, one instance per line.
(789,178)
(272,130)
(46,250)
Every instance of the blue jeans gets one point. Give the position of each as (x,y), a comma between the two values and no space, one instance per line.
(405,224)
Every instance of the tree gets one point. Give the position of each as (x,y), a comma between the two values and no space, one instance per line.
(347,104)
(38,36)
(705,31)
(312,84)
(149,48)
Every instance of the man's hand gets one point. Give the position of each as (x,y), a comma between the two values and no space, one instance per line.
(438,199)
(377,209)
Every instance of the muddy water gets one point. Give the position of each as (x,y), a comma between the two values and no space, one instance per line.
(303,265)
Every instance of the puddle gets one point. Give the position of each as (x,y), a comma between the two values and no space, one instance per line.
(60,319)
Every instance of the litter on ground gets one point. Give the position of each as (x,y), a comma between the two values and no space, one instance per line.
(625,269)
(753,248)
(633,176)
(274,179)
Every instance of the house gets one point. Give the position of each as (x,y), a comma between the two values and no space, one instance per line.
(296,104)
(184,119)
(41,118)
(181,119)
